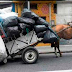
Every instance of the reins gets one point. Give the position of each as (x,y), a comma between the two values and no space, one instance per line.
(64,29)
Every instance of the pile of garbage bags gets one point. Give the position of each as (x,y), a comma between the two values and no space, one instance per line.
(28,21)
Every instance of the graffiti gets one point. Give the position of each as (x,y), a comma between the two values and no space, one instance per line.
(45,9)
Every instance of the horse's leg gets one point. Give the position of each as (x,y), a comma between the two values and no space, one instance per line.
(59,49)
(54,45)
(56,52)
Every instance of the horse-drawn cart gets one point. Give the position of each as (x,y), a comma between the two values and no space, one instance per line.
(24,45)
(22,34)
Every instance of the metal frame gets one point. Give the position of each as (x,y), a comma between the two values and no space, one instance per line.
(27,43)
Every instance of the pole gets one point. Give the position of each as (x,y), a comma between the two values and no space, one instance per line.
(29,5)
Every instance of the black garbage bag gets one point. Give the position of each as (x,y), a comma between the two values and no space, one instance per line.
(41,34)
(5,40)
(12,32)
(41,21)
(26,20)
(40,28)
(29,14)
(23,28)
(10,21)
(49,37)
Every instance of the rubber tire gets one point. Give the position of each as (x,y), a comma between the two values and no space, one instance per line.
(23,55)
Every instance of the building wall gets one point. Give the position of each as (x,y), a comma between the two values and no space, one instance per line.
(64,13)
(63,16)
(42,9)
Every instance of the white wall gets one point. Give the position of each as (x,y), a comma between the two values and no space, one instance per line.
(64,13)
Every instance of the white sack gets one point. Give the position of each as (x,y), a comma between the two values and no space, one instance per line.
(3,53)
(2,12)
(7,10)
(3,16)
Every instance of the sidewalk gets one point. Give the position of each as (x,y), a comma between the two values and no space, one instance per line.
(49,49)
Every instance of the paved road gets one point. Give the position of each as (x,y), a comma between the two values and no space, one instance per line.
(46,62)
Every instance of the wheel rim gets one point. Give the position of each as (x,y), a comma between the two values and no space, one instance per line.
(30,56)
(5,61)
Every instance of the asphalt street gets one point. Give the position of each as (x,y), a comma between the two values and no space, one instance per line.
(46,62)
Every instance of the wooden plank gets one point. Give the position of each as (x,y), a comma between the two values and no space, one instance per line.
(43,1)
(18,1)
(19,10)
(16,8)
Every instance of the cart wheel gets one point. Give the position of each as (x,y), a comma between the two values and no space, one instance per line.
(30,55)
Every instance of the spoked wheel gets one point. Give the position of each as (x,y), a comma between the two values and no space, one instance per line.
(30,55)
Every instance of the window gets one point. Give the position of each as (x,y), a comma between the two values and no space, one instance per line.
(55,8)
(44,18)
(52,23)
(33,6)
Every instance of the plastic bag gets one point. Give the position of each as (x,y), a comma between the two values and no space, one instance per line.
(40,28)
(49,37)
(12,32)
(3,53)
(7,10)
(10,21)
(29,14)
(41,21)
(41,34)
(2,12)
(26,20)
(5,15)
(23,27)
(11,14)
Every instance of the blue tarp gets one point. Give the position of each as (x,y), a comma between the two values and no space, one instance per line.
(1,21)
(13,7)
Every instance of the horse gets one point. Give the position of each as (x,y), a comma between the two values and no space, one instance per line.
(63,31)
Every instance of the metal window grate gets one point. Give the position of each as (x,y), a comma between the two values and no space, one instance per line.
(33,6)
(55,8)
